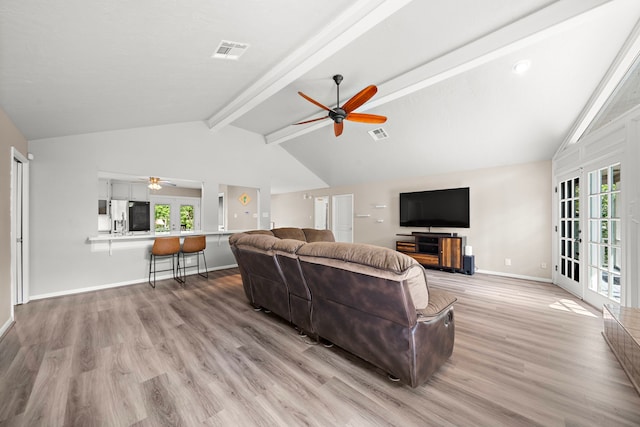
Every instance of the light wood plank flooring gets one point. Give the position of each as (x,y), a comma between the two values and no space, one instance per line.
(526,353)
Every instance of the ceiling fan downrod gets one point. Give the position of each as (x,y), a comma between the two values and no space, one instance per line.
(338,114)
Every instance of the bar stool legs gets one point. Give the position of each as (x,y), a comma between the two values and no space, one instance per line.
(194,245)
(164,247)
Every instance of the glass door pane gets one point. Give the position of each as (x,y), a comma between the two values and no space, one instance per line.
(162,217)
(605,234)
(186,218)
(569,233)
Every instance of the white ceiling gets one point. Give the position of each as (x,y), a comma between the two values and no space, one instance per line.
(443,69)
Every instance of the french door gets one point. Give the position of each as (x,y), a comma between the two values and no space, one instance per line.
(590,264)
(175,214)
(569,233)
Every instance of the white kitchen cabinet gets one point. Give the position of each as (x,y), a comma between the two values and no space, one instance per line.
(120,190)
(139,192)
(103,189)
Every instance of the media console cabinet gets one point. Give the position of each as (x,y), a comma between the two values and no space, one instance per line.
(435,250)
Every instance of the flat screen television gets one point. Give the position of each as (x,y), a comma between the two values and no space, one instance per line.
(435,208)
(139,216)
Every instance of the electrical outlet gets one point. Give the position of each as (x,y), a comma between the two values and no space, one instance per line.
(543,265)
(507,261)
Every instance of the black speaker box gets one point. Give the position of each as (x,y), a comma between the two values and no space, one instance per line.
(468,264)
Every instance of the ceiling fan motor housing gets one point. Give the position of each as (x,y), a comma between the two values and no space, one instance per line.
(338,115)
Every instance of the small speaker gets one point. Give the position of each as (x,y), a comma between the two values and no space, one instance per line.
(468,264)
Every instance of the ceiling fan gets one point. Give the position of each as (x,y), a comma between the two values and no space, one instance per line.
(154,183)
(339,114)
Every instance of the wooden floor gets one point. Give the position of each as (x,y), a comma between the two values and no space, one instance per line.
(526,353)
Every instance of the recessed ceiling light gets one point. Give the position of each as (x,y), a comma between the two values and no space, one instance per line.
(522,66)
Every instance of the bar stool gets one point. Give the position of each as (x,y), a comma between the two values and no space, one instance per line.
(194,245)
(164,247)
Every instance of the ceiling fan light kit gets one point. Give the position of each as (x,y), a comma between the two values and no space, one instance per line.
(340,114)
(154,183)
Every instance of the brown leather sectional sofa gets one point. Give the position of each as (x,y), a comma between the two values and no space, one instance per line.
(371,301)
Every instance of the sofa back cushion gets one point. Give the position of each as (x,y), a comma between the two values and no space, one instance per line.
(313,235)
(233,239)
(373,261)
(285,250)
(289,233)
(361,301)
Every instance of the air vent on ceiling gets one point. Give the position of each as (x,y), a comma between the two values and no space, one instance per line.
(378,134)
(230,50)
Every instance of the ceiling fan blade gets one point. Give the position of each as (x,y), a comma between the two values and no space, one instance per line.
(337,128)
(359,98)
(312,120)
(313,101)
(365,118)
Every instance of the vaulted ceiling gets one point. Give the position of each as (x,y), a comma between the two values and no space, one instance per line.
(444,70)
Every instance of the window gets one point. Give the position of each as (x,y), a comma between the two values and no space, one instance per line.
(605,234)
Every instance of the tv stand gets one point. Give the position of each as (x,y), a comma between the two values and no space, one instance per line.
(434,250)
(431,234)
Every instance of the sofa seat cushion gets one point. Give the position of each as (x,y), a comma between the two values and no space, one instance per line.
(373,261)
(439,301)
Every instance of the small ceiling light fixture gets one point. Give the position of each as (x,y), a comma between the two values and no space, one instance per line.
(154,183)
(522,66)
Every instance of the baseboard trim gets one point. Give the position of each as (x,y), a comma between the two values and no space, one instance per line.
(515,276)
(5,328)
(117,284)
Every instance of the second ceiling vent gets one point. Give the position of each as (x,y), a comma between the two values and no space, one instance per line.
(230,50)
(378,134)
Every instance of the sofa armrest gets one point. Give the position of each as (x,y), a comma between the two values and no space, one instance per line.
(439,302)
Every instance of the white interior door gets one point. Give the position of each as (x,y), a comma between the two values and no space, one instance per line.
(19,266)
(342,217)
(19,228)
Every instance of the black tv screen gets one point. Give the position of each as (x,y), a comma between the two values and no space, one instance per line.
(436,208)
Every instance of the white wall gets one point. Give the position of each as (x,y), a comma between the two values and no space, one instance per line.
(9,136)
(64,188)
(510,214)
(242,216)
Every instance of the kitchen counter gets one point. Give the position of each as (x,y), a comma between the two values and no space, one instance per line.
(133,237)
